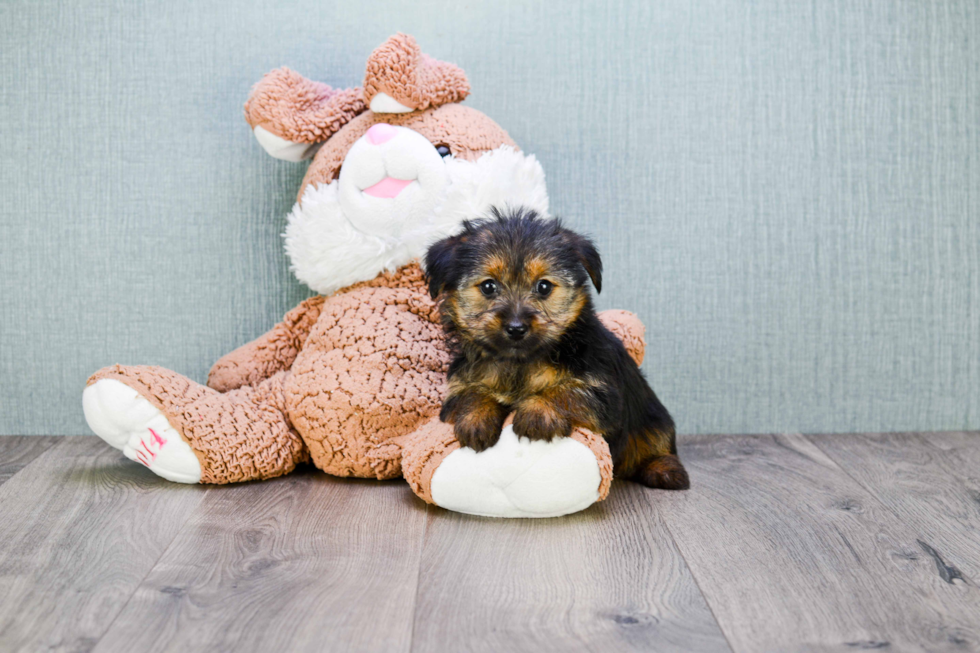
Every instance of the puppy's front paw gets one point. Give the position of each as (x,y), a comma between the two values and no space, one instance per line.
(476,419)
(540,421)
(477,433)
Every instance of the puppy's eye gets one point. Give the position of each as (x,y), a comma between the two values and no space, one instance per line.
(488,288)
(443,150)
(544,288)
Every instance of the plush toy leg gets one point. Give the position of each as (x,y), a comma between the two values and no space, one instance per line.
(122,417)
(514,478)
(187,432)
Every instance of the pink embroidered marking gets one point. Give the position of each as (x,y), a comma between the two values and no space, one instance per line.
(159,439)
(147,452)
(144,450)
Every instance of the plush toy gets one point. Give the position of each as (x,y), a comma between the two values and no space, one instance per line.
(353,378)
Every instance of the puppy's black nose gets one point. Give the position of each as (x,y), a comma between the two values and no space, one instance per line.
(515,330)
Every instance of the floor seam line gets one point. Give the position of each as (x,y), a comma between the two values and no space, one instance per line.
(697,583)
(418,579)
(150,570)
(871,492)
(38,456)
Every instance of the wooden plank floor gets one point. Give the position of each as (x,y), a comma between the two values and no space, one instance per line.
(784,543)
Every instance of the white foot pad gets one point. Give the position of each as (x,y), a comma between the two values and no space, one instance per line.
(518,478)
(123,418)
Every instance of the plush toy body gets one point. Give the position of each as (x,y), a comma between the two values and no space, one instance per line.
(353,379)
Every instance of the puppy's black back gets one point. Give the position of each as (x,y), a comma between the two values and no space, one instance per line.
(628,407)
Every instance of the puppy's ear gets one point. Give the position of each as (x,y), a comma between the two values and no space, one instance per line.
(440,263)
(591,261)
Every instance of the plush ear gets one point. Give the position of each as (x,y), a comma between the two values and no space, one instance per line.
(440,263)
(287,111)
(400,79)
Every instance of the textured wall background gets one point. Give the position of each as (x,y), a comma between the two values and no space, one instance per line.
(787,193)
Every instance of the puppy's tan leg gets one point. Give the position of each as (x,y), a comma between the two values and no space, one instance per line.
(550,414)
(664,473)
(650,458)
(476,418)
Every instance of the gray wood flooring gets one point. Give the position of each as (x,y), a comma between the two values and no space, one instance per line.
(784,543)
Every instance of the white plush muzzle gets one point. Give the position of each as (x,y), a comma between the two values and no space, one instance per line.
(391,180)
(370,220)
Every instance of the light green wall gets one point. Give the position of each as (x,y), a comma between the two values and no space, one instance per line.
(787,193)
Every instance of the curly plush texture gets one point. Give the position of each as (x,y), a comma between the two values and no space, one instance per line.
(272,352)
(424,451)
(399,69)
(628,328)
(373,369)
(297,109)
(600,448)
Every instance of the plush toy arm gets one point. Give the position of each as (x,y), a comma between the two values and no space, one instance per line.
(514,478)
(270,353)
(290,114)
(422,453)
(628,328)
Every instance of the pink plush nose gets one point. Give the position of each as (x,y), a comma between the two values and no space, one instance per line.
(381,133)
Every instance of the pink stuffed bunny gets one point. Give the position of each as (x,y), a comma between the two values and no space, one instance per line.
(353,379)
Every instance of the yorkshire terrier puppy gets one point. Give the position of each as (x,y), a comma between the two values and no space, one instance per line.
(514,299)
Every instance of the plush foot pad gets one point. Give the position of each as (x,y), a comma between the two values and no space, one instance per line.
(126,420)
(518,477)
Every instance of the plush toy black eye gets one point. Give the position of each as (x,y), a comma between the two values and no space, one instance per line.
(544,287)
(488,288)
(443,150)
